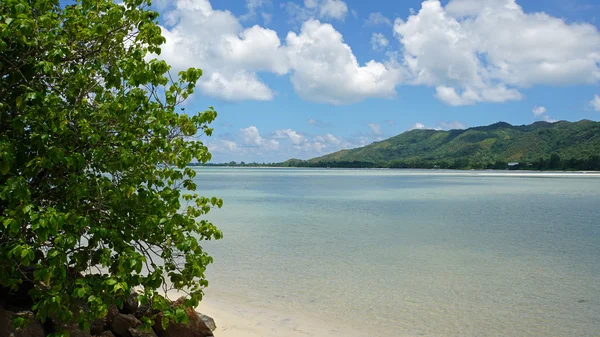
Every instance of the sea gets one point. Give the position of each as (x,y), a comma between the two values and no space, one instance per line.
(411,252)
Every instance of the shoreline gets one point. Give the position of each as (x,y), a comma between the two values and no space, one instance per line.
(237,318)
(244,320)
(422,171)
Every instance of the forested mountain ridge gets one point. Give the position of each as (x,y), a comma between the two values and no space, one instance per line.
(541,145)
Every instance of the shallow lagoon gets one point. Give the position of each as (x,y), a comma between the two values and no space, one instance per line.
(409,252)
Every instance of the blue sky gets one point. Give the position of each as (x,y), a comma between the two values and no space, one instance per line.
(299,79)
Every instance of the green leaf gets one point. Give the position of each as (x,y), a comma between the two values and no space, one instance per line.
(4,168)
(26,209)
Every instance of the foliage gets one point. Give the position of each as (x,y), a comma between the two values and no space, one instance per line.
(547,146)
(95,195)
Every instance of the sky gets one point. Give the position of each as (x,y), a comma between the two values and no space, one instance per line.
(300,79)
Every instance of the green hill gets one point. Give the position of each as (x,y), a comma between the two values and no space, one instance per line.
(541,145)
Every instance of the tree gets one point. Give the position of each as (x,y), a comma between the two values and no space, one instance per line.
(95,195)
(555,161)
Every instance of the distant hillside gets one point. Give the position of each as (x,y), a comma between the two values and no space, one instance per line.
(541,145)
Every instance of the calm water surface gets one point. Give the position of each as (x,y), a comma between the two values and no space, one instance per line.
(411,253)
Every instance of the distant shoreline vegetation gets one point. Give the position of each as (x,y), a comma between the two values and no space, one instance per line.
(541,146)
(590,164)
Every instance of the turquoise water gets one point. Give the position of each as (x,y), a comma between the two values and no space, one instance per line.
(412,253)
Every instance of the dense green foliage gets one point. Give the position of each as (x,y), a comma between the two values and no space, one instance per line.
(95,197)
(546,146)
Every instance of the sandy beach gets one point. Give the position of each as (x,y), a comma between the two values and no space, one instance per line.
(235,320)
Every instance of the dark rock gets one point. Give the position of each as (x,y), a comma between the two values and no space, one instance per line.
(195,328)
(132,304)
(210,323)
(111,314)
(140,333)
(143,310)
(72,328)
(121,324)
(33,328)
(75,331)
(98,326)
(105,334)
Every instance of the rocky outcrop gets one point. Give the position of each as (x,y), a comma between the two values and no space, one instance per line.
(32,328)
(195,327)
(210,323)
(122,323)
(117,323)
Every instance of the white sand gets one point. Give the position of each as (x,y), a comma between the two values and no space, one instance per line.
(240,320)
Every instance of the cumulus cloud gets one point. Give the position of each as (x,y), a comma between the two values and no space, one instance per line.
(539,113)
(252,137)
(484,50)
(379,41)
(322,67)
(377,19)
(595,103)
(214,40)
(417,126)
(538,110)
(295,137)
(250,145)
(470,51)
(325,69)
(375,129)
(223,145)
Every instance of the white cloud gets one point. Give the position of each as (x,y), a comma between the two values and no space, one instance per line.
(223,145)
(249,145)
(237,87)
(378,41)
(325,69)
(471,96)
(595,103)
(329,139)
(230,55)
(538,110)
(323,9)
(470,51)
(454,125)
(378,19)
(335,9)
(483,50)
(293,136)
(252,137)
(322,67)
(375,128)
(417,126)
